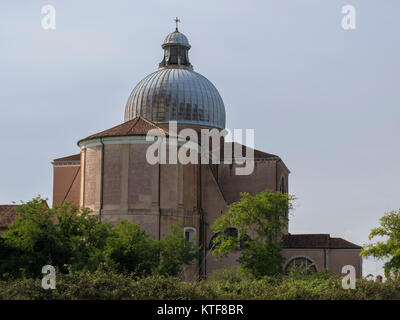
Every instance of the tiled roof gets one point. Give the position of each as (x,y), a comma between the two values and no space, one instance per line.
(339,243)
(7,215)
(257,153)
(73,158)
(316,241)
(138,126)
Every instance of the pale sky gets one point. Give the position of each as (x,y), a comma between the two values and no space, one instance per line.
(326,100)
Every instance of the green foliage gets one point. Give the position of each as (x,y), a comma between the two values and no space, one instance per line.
(175,252)
(60,236)
(9,259)
(132,249)
(301,272)
(72,239)
(34,237)
(262,258)
(233,274)
(83,236)
(106,284)
(389,229)
(260,220)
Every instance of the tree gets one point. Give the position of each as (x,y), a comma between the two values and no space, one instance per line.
(83,235)
(60,236)
(34,237)
(389,247)
(175,252)
(133,250)
(9,259)
(260,221)
(71,238)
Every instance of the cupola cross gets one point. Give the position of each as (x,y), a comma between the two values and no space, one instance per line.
(177,21)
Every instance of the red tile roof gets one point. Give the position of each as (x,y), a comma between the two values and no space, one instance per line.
(316,241)
(73,158)
(138,126)
(339,243)
(7,215)
(257,153)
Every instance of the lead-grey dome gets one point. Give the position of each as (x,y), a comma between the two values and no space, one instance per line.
(176,38)
(175,92)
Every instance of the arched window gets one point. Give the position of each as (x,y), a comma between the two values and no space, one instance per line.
(301,261)
(282,187)
(229,232)
(189,234)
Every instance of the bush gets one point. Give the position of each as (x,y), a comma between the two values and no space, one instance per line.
(228,284)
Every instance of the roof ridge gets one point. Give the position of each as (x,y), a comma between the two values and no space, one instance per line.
(243,146)
(135,121)
(68,158)
(118,125)
(154,124)
(139,126)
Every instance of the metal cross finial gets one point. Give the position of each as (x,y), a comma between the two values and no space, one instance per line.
(177,21)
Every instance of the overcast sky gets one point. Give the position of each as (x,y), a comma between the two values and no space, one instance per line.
(326,100)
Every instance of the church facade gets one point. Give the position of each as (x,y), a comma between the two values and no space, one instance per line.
(112,175)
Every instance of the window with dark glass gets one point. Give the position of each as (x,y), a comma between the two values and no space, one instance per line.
(282,187)
(230,233)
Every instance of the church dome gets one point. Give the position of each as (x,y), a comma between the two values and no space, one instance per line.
(175,92)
